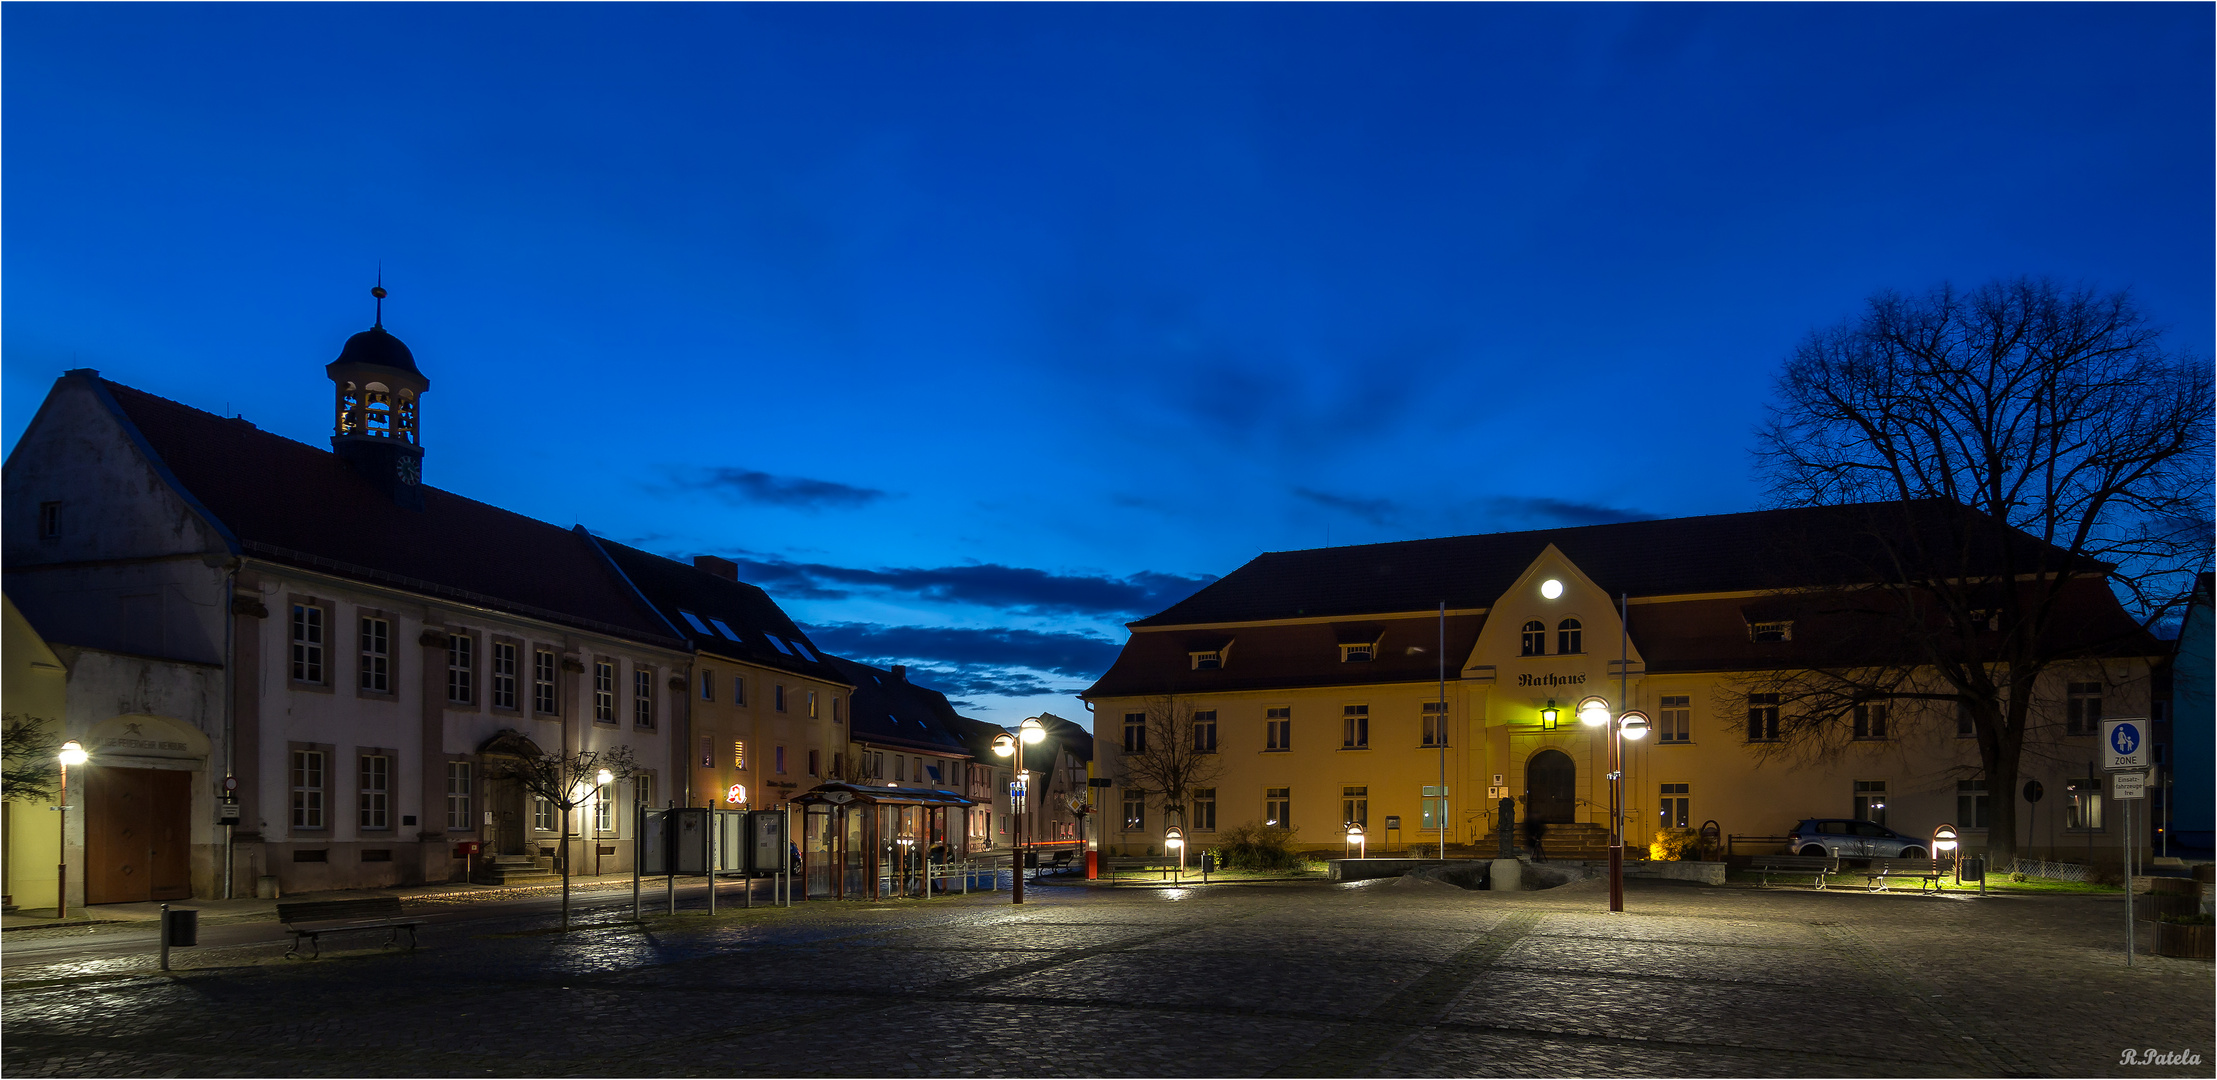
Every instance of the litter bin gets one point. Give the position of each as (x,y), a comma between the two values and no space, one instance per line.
(181,927)
(1974,868)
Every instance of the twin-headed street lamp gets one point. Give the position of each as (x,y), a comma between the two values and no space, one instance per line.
(1632,724)
(1006,745)
(73,753)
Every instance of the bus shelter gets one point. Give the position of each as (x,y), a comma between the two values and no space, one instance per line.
(866,842)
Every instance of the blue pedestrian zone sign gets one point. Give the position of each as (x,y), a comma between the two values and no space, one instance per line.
(2125,744)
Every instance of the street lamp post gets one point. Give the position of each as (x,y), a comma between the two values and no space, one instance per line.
(73,753)
(1355,837)
(1594,712)
(600,799)
(1174,839)
(1006,745)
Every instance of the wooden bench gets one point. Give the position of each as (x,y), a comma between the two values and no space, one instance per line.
(1926,871)
(1813,865)
(310,919)
(1116,866)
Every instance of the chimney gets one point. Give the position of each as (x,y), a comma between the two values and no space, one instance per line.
(900,671)
(721,567)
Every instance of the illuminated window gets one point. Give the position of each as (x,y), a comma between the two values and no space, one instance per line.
(1277,807)
(2084,811)
(812,704)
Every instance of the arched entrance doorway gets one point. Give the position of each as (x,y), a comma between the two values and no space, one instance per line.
(139,809)
(506,801)
(1551,788)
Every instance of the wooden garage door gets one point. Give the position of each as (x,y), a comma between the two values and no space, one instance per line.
(138,832)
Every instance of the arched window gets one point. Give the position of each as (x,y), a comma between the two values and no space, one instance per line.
(1535,638)
(1569,638)
(378,420)
(406,415)
(350,398)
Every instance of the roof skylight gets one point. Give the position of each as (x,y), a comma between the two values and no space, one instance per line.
(779,644)
(694,619)
(802,648)
(724,630)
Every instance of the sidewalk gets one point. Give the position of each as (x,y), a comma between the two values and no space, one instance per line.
(248,909)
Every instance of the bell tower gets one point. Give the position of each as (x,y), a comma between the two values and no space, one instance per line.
(378,425)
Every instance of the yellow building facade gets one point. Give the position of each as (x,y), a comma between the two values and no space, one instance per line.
(1349,715)
(34,687)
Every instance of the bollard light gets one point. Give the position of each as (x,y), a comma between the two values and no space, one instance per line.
(1355,837)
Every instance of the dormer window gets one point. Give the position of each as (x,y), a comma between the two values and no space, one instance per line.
(1207,659)
(1535,638)
(1762,632)
(1357,653)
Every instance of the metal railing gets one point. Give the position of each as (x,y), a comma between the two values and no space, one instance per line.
(2058,871)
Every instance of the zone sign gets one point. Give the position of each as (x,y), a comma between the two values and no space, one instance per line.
(2125,743)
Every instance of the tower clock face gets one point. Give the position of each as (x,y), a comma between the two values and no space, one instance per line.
(411,470)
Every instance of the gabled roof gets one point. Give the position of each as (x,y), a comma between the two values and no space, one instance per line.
(888,710)
(760,631)
(288,502)
(1674,556)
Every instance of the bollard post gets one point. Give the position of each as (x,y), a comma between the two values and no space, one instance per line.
(165,937)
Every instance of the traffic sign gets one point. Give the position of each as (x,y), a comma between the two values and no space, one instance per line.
(2125,743)
(2128,785)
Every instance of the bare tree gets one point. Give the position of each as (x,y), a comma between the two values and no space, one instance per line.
(28,746)
(2001,457)
(1174,755)
(568,781)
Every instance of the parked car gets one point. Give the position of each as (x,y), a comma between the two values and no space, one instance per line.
(1852,838)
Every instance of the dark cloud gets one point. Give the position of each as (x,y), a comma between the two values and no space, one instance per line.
(1374,511)
(1561,512)
(1017,589)
(754,487)
(945,648)
(992,662)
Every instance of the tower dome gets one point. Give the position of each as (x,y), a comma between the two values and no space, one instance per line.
(377,426)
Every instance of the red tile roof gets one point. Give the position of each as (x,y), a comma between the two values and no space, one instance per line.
(293,503)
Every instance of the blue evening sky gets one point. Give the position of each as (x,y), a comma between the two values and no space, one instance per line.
(975,331)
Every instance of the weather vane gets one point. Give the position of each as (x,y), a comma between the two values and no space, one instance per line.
(378,291)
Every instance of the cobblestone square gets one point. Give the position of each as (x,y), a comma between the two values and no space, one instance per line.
(1364,979)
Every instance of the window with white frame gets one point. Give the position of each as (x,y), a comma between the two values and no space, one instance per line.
(643,785)
(708,685)
(1870,801)
(1135,810)
(1354,805)
(1204,731)
(543,698)
(1135,733)
(777,696)
(1768,632)
(504,675)
(377,655)
(1677,804)
(458,795)
(1570,637)
(1435,723)
(604,811)
(1277,807)
(2082,709)
(2084,810)
(1204,809)
(812,704)
(1354,728)
(642,697)
(307,643)
(1277,726)
(1762,718)
(543,814)
(739,690)
(739,754)
(1357,652)
(1433,807)
(1674,715)
(1535,638)
(1972,809)
(604,691)
(1870,720)
(461,669)
(308,788)
(377,775)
